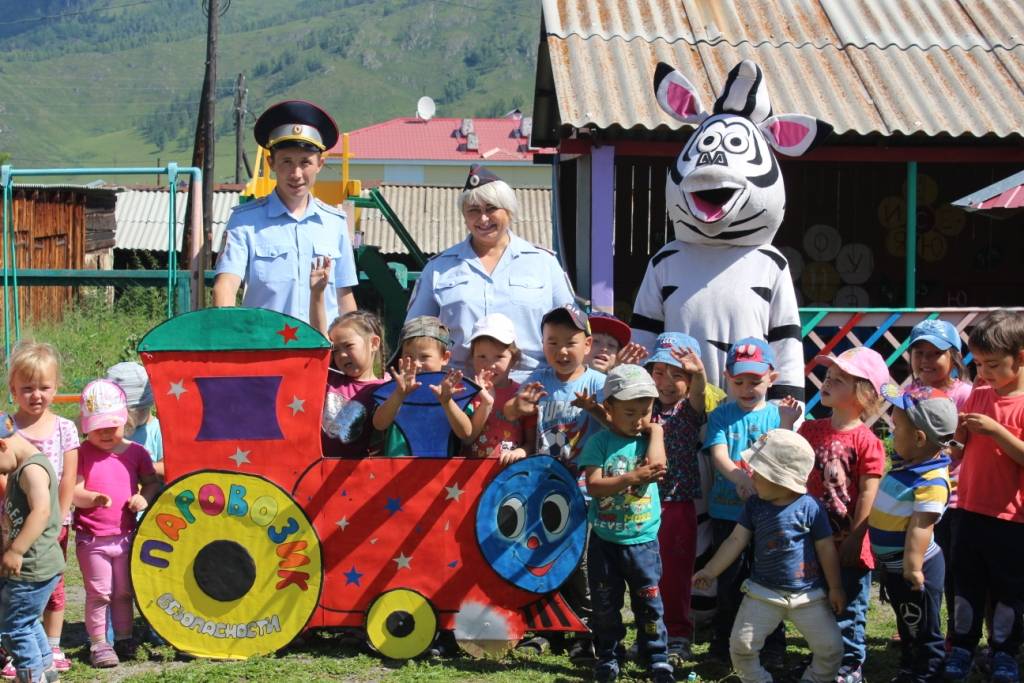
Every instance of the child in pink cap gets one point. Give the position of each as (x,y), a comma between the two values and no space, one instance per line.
(107,499)
(849,461)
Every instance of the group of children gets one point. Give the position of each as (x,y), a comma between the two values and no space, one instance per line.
(46,471)
(800,519)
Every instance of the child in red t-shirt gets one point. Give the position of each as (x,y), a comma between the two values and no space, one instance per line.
(849,461)
(987,545)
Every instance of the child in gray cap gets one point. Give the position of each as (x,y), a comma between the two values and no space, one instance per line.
(142,427)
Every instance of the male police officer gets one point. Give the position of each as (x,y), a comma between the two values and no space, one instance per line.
(272,242)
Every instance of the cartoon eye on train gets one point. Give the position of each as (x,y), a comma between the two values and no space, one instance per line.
(257,536)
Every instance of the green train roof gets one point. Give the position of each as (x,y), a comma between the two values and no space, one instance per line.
(232,329)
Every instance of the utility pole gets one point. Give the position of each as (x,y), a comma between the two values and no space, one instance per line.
(240,104)
(203,153)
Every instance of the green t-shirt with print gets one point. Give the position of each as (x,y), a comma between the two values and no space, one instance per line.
(631,516)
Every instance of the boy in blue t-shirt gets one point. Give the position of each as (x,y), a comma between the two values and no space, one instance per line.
(623,465)
(564,396)
(794,559)
(732,428)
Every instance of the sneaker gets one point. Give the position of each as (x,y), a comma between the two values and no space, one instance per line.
(679,651)
(9,673)
(102,656)
(60,662)
(536,645)
(958,664)
(1004,668)
(850,675)
(662,673)
(606,673)
(581,652)
(126,648)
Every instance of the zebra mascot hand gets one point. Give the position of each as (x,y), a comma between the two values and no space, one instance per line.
(721,279)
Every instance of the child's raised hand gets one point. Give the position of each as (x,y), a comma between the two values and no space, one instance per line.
(631,354)
(405,378)
(702,579)
(448,386)
(979,423)
(11,563)
(136,503)
(485,380)
(790,411)
(529,396)
(585,400)
(320,273)
(837,599)
(688,359)
(744,484)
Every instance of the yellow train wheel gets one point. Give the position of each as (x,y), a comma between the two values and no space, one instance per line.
(226,565)
(401,624)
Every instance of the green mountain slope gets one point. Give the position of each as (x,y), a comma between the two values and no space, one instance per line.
(116,82)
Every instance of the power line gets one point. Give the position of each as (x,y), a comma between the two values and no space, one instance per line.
(94,10)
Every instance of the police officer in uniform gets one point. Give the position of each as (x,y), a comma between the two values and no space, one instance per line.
(491,271)
(272,242)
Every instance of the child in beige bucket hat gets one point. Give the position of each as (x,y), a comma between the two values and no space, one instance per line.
(794,560)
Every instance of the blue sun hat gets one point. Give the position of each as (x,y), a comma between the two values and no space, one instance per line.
(7,426)
(667,341)
(939,333)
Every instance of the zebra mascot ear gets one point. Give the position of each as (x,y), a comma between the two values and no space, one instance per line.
(677,96)
(794,134)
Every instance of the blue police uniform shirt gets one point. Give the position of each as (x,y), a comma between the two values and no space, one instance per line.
(527,283)
(272,251)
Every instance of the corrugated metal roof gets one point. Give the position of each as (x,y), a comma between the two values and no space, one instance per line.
(872,66)
(432,217)
(141,217)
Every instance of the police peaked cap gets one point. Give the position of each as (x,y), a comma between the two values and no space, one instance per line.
(296,121)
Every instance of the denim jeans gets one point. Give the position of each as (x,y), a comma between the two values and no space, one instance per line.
(919,620)
(21,603)
(612,567)
(854,618)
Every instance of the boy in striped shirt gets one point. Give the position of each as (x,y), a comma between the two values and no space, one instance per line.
(911,499)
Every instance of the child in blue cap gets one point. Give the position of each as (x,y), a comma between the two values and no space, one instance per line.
(681,382)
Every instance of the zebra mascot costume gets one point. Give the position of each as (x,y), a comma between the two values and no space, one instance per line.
(721,279)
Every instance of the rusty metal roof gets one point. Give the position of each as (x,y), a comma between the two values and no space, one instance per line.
(432,216)
(884,67)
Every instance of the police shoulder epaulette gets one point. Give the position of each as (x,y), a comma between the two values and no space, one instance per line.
(541,247)
(329,209)
(249,205)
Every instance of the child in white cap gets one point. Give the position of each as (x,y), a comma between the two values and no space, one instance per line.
(107,499)
(794,560)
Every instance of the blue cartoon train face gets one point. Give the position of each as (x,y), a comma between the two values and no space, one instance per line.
(531,524)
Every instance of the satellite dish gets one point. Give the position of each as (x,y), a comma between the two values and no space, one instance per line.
(425,108)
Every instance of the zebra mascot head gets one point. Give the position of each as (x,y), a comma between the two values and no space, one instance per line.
(725,188)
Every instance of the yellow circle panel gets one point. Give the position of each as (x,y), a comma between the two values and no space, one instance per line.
(401,624)
(226,565)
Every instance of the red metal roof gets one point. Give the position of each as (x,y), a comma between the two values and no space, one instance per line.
(439,139)
(1007,193)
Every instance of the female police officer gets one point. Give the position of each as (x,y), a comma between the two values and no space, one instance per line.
(271,242)
(491,271)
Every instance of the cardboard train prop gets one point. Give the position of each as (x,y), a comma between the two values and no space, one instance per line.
(257,536)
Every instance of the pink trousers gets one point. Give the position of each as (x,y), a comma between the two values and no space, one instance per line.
(106,572)
(677,539)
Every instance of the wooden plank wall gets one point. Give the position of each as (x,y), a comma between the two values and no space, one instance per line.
(50,233)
